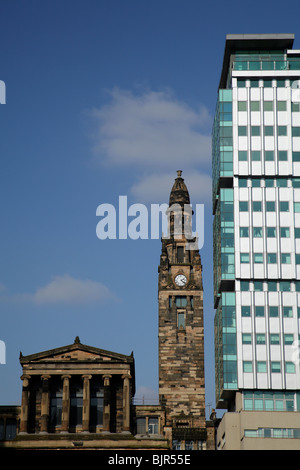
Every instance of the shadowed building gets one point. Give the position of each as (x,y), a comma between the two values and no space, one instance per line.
(181,332)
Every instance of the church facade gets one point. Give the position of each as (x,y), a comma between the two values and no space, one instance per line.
(79,396)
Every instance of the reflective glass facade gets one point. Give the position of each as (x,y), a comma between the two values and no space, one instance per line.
(256,208)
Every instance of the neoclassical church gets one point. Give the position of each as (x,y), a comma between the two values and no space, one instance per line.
(81,397)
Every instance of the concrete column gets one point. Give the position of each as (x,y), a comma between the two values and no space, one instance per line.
(106,408)
(24,405)
(65,404)
(86,403)
(45,404)
(126,402)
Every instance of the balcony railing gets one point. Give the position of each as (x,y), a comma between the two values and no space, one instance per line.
(266,64)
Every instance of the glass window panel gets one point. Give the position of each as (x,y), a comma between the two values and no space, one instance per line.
(269,405)
(181,301)
(282,183)
(244,206)
(288,312)
(244,286)
(284,232)
(284,206)
(273,311)
(269,131)
(246,338)
(295,131)
(272,286)
(274,338)
(255,105)
(244,257)
(11,429)
(262,367)
(285,286)
(242,131)
(257,232)
(244,232)
(282,155)
(256,183)
(288,338)
(256,206)
(258,404)
(241,83)
(270,206)
(271,232)
(272,258)
(153,425)
(141,425)
(269,155)
(282,130)
(181,320)
(259,311)
(248,404)
(281,105)
(296,206)
(296,156)
(255,131)
(285,258)
(275,367)
(269,182)
(255,155)
(246,312)
(268,105)
(258,286)
(258,258)
(242,155)
(260,338)
(247,366)
(242,105)
(279,405)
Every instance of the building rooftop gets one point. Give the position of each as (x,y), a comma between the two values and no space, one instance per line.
(252,42)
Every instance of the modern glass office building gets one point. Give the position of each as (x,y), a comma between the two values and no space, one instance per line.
(256,206)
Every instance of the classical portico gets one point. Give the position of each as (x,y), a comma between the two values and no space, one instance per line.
(76,389)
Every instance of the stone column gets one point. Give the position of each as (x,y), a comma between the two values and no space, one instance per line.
(86,403)
(45,404)
(126,402)
(65,404)
(106,408)
(24,405)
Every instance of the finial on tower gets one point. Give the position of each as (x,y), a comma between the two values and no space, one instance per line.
(179,173)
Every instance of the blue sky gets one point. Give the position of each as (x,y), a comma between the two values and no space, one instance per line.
(104,98)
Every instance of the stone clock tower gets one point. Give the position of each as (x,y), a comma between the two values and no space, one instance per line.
(181,332)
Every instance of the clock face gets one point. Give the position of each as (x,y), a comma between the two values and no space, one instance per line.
(180,280)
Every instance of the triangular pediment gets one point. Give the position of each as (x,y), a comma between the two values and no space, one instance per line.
(76,352)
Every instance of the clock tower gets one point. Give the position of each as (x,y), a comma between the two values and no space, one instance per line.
(181,332)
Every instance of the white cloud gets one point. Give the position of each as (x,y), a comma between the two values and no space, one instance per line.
(152,130)
(66,289)
(155,188)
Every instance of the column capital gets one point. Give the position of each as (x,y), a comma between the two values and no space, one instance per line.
(46,377)
(86,376)
(25,379)
(65,376)
(126,376)
(106,378)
